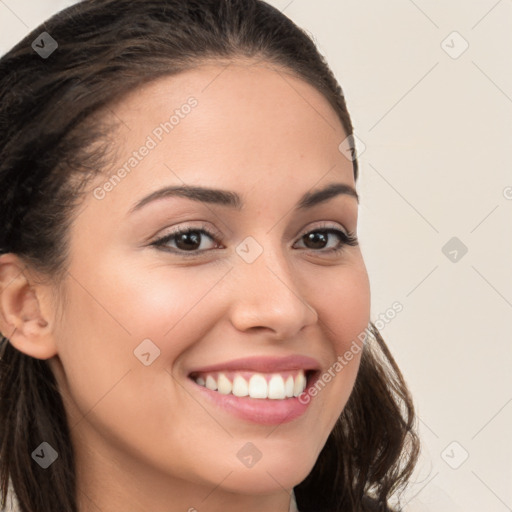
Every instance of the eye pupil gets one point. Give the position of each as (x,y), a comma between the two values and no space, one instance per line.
(193,237)
(315,237)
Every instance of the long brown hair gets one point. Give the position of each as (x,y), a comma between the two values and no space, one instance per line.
(53,140)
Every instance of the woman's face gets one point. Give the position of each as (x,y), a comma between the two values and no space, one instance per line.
(146,328)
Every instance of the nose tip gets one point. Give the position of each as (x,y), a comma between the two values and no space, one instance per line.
(270,298)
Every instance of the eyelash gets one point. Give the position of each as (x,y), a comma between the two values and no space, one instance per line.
(346,239)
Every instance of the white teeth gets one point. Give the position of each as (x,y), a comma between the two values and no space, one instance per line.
(300,384)
(240,386)
(224,384)
(288,387)
(211,383)
(258,386)
(276,388)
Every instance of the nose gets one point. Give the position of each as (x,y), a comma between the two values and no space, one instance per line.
(268,297)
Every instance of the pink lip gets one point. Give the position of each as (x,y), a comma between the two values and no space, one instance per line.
(263,411)
(263,364)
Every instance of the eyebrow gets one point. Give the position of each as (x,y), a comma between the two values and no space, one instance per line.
(233,200)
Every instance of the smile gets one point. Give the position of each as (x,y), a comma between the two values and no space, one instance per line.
(273,386)
(261,390)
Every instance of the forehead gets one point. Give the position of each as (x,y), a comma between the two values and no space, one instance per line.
(244,83)
(228,125)
(255,99)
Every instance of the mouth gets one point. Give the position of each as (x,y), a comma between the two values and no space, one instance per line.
(272,386)
(266,391)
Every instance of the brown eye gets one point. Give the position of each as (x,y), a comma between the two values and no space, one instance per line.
(191,240)
(318,239)
(187,241)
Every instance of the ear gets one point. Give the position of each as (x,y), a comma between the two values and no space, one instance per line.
(24,309)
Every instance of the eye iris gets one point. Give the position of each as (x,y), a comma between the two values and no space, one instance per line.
(193,237)
(316,237)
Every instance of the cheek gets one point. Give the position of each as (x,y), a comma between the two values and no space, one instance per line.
(344,306)
(104,323)
(168,306)
(173,307)
(344,314)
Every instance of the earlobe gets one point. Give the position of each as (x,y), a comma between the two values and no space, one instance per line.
(23,317)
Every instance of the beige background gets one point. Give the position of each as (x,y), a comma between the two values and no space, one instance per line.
(436,124)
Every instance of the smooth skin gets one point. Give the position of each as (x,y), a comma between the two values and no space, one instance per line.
(145,439)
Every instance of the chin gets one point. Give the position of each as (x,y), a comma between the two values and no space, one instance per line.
(270,476)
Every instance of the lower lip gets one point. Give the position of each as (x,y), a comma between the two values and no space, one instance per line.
(264,411)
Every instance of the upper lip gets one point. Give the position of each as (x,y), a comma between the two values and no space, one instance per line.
(263,364)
